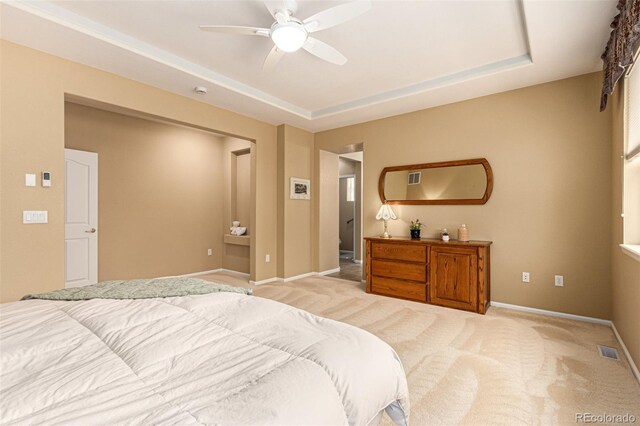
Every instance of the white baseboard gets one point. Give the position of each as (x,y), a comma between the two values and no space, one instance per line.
(329,271)
(193,274)
(212,271)
(267,281)
(632,363)
(359,262)
(296,277)
(550,313)
(233,272)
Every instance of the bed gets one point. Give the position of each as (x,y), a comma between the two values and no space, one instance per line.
(216,358)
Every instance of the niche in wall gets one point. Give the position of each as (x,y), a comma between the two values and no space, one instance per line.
(159,192)
(241,187)
(163,191)
(238,158)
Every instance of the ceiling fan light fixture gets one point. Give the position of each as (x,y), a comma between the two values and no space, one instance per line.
(289,36)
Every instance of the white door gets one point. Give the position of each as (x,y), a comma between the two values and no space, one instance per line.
(80,218)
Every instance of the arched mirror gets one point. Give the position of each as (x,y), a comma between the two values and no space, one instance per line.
(448,182)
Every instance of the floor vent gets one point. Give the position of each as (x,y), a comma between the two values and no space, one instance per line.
(608,352)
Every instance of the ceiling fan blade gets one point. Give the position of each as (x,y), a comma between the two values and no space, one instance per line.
(324,51)
(272,58)
(281,10)
(229,29)
(336,15)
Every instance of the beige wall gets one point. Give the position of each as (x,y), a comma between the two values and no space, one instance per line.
(295,159)
(549,148)
(625,270)
(34,85)
(346,167)
(160,187)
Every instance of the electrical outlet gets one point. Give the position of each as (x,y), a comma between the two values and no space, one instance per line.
(267,258)
(209,252)
(559,281)
(525,277)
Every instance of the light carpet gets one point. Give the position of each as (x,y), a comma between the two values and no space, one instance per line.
(502,368)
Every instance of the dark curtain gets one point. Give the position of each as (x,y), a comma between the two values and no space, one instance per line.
(621,47)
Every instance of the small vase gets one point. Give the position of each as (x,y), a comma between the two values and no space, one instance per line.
(415,234)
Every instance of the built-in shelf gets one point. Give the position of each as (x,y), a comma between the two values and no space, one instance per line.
(240,240)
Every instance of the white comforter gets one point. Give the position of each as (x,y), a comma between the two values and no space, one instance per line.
(222,358)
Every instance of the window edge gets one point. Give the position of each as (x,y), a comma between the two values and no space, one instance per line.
(631,250)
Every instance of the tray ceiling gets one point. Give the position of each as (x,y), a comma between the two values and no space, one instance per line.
(402,56)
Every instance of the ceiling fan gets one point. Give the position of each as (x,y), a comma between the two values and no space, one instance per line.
(289,33)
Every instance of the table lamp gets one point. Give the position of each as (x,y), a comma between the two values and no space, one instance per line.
(385,213)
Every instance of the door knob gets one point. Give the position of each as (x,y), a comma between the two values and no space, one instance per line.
(91,231)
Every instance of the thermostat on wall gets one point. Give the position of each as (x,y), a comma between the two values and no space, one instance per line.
(46,179)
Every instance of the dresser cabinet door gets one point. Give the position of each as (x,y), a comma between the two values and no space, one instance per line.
(454,277)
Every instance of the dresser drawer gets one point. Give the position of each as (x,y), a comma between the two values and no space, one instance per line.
(408,252)
(400,270)
(402,289)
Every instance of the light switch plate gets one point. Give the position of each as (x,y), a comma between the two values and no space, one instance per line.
(35,216)
(29,179)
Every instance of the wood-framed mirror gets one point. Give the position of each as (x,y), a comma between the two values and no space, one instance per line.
(448,182)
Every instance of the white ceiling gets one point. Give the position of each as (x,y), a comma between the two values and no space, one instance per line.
(403,55)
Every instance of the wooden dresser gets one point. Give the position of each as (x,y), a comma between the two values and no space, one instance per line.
(453,274)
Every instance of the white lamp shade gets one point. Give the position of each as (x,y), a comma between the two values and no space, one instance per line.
(385,213)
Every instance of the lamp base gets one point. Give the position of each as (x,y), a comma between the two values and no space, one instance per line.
(386,234)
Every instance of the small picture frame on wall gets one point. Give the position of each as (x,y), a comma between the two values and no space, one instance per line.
(300,189)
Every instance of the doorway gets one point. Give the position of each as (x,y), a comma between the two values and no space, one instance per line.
(239,157)
(350,217)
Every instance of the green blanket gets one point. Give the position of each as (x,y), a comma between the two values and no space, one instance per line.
(139,289)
